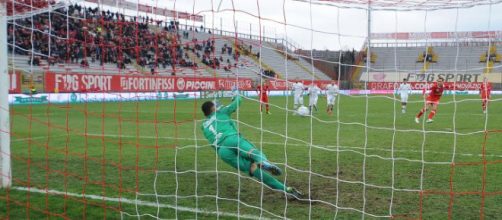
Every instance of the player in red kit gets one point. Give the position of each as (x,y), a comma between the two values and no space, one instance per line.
(484,91)
(432,100)
(263,94)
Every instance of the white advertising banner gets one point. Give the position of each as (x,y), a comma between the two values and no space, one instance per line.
(429,77)
(63,98)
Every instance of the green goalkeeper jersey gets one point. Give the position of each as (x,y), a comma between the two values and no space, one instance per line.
(219,125)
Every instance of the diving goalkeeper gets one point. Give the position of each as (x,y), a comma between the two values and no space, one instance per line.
(219,129)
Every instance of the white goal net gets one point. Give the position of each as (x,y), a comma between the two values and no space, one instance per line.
(105,97)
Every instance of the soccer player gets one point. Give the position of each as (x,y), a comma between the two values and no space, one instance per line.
(404,90)
(485,91)
(220,130)
(263,94)
(432,100)
(331,93)
(313,96)
(298,90)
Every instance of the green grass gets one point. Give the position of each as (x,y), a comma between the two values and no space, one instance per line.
(127,142)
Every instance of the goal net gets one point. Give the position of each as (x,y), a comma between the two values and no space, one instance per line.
(100,109)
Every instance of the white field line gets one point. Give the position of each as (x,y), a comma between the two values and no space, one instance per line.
(136,202)
(325,146)
(272,143)
(37,138)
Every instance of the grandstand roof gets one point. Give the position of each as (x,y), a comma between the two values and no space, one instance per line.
(404,4)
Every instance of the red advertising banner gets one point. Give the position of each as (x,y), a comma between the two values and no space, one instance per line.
(120,83)
(14,82)
(63,82)
(424,85)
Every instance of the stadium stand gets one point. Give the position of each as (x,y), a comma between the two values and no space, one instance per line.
(297,68)
(405,59)
(113,43)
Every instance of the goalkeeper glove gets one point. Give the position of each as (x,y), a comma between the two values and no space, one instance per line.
(216,103)
(235,92)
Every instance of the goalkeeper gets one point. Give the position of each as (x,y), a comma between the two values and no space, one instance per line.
(219,129)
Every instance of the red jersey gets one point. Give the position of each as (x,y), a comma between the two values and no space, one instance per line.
(263,92)
(485,90)
(435,93)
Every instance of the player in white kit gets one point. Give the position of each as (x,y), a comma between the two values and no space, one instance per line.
(404,90)
(313,96)
(298,90)
(331,93)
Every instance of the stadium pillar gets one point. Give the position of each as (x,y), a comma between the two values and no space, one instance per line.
(263,34)
(6,175)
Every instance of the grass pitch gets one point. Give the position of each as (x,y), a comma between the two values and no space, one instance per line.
(150,159)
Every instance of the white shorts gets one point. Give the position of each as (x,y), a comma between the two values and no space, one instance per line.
(298,99)
(331,99)
(404,98)
(313,100)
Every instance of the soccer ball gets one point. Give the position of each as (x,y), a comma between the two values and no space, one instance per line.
(303,111)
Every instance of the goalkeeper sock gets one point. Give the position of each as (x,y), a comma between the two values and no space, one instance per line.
(269,180)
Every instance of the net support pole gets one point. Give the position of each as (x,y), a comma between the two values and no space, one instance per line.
(6,175)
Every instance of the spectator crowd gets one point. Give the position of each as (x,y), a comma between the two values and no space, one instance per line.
(82,36)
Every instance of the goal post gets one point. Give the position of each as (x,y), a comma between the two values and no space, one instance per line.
(4,101)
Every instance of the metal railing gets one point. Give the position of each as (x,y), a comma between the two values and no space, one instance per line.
(186,27)
(476,43)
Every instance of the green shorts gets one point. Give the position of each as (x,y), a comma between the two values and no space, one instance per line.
(239,153)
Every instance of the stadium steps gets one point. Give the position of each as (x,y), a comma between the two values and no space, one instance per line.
(322,75)
(261,64)
(201,65)
(295,59)
(203,69)
(297,68)
(219,42)
(461,59)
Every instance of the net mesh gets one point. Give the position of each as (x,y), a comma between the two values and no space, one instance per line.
(404,5)
(116,129)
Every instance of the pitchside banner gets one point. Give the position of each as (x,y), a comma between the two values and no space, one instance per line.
(63,82)
(429,77)
(14,82)
(424,85)
(120,83)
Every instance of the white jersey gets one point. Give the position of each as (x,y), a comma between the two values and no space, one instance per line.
(313,95)
(298,88)
(332,90)
(404,89)
(314,91)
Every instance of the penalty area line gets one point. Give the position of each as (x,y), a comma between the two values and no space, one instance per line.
(36,138)
(294,144)
(137,202)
